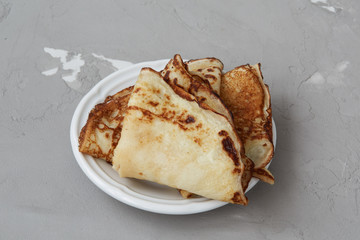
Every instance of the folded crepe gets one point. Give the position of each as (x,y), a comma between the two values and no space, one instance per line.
(248,98)
(204,95)
(199,80)
(209,69)
(169,137)
(102,131)
(100,142)
(175,73)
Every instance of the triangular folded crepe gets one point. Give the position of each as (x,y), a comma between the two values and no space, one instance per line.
(100,142)
(248,98)
(204,95)
(209,69)
(170,139)
(102,131)
(176,74)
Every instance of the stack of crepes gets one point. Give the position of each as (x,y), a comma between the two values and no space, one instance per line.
(189,127)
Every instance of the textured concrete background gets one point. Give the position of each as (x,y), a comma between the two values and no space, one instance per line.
(309,50)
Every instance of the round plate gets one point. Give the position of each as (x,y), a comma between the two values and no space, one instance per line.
(137,193)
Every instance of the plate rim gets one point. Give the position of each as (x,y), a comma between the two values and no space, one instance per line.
(117,190)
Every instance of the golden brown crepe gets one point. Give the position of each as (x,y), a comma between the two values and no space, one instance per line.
(99,146)
(99,142)
(176,74)
(248,98)
(169,138)
(163,120)
(209,69)
(102,131)
(185,194)
(204,95)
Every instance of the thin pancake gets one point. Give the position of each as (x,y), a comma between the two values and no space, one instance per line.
(169,139)
(100,143)
(102,131)
(209,69)
(176,74)
(204,96)
(248,98)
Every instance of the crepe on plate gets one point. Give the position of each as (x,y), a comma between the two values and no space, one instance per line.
(209,69)
(204,95)
(248,98)
(175,73)
(102,131)
(169,138)
(99,141)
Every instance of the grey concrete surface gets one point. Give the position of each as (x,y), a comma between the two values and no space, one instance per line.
(309,51)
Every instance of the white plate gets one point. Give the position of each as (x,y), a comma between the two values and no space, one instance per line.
(144,195)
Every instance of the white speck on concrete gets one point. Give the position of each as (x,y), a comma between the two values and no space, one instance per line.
(333,77)
(341,66)
(74,64)
(57,53)
(319,1)
(325,5)
(50,72)
(117,64)
(329,8)
(316,79)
